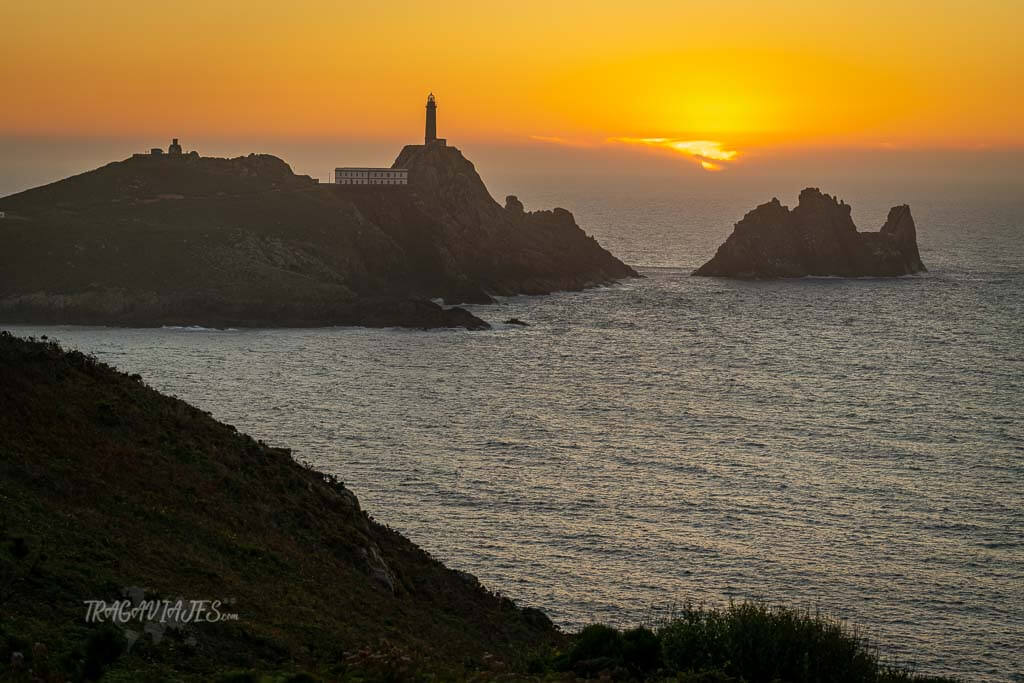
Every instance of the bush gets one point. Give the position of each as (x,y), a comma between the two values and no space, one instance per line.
(238,677)
(101,650)
(596,641)
(302,677)
(641,650)
(709,676)
(746,643)
(692,642)
(760,644)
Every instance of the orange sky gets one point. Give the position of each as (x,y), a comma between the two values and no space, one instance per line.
(744,74)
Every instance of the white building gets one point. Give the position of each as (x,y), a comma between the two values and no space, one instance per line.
(351,175)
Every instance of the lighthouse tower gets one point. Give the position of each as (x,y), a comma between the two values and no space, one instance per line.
(431,135)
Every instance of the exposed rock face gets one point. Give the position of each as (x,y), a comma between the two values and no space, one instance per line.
(413,313)
(817,237)
(502,251)
(246,242)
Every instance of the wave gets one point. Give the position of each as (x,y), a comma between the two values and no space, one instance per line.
(198,328)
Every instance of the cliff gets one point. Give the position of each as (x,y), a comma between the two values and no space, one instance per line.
(110,489)
(817,237)
(246,242)
(501,250)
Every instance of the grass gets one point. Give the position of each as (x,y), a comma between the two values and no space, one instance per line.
(106,484)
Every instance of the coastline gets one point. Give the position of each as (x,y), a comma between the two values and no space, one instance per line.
(192,240)
(233,475)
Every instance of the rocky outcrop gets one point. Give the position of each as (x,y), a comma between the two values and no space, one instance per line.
(501,250)
(412,313)
(817,237)
(158,240)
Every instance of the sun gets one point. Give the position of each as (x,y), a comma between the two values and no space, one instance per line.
(711,155)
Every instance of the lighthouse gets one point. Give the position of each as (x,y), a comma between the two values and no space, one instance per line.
(431,135)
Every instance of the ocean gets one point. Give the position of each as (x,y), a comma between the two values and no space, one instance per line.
(854,446)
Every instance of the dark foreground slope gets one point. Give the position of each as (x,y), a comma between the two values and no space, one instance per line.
(200,241)
(108,485)
(110,491)
(817,237)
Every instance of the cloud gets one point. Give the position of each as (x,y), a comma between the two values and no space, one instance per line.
(710,155)
(565,142)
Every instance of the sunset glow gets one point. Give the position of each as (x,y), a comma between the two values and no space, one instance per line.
(799,72)
(706,152)
(640,327)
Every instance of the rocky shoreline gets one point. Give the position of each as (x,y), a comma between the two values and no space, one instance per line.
(245,242)
(120,308)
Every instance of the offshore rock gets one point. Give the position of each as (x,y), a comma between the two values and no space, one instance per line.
(817,237)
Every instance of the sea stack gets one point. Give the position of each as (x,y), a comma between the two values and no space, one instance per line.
(817,237)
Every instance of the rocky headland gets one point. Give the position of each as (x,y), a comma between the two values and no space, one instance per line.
(189,240)
(817,237)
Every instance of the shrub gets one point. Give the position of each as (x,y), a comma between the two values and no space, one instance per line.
(301,677)
(101,650)
(641,649)
(693,641)
(595,642)
(238,677)
(761,644)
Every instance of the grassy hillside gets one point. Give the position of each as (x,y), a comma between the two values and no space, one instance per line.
(107,485)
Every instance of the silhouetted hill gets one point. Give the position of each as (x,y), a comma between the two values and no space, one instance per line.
(817,237)
(195,240)
(503,250)
(108,485)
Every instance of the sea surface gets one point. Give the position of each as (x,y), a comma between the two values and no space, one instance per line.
(849,445)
